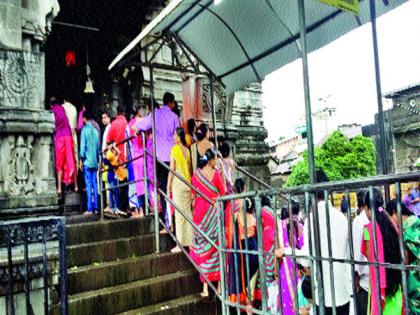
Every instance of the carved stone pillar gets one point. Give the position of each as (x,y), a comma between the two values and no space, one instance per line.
(27,177)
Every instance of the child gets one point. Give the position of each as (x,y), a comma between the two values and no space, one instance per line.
(227,167)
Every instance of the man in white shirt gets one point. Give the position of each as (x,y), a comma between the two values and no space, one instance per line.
(339,249)
(362,271)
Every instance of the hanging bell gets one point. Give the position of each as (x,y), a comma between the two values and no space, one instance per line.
(89,87)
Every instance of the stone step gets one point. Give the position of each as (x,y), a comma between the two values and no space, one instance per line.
(191,305)
(108,274)
(107,230)
(134,295)
(103,251)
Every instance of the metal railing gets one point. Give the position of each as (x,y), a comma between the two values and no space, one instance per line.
(27,247)
(320,251)
(320,244)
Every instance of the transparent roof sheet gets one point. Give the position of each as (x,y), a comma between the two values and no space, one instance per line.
(241,41)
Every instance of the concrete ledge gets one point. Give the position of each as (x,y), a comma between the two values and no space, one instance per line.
(113,273)
(135,295)
(107,230)
(191,305)
(86,254)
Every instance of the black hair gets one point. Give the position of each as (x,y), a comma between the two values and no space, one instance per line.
(180,132)
(105,112)
(320,177)
(86,114)
(390,238)
(295,210)
(136,108)
(224,150)
(202,131)
(176,109)
(295,207)
(239,185)
(391,208)
(265,201)
(148,102)
(167,98)
(249,205)
(191,126)
(208,156)
(361,198)
(306,287)
(53,101)
(120,109)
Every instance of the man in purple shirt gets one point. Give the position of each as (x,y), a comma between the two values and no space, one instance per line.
(166,123)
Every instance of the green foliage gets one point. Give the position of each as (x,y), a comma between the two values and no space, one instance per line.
(340,159)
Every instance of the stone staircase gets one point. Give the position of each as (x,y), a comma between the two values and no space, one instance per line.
(112,269)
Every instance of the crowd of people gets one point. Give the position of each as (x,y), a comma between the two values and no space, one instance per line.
(193,174)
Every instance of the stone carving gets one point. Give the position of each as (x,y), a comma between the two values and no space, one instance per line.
(21,172)
(220,99)
(19,79)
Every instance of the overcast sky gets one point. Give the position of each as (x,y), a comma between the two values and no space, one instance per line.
(345,70)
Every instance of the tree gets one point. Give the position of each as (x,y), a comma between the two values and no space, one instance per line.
(340,159)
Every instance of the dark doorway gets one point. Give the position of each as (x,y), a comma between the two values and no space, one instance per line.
(118,23)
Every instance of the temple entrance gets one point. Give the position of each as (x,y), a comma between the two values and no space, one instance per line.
(87,33)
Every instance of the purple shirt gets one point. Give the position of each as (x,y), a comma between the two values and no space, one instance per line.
(62,126)
(166,123)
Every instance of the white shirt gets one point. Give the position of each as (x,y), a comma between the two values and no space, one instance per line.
(71,114)
(339,248)
(363,270)
(104,136)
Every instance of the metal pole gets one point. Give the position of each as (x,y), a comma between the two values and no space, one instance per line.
(384,152)
(101,187)
(222,256)
(261,265)
(308,111)
(381,122)
(213,112)
(146,180)
(155,193)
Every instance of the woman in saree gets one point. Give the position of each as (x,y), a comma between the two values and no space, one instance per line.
(205,215)
(65,162)
(411,236)
(242,267)
(181,164)
(199,148)
(390,299)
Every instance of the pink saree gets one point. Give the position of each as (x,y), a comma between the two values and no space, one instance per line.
(205,216)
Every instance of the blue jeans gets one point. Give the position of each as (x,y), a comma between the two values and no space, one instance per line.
(114,201)
(91,188)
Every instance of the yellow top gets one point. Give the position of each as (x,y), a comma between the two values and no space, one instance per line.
(182,162)
(120,171)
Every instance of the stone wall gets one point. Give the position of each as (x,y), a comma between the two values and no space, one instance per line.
(27,182)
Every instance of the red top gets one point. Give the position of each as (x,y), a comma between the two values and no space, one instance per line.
(117,134)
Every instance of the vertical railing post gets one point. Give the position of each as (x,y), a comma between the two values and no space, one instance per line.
(213,111)
(27,270)
(318,253)
(10,305)
(261,265)
(101,186)
(402,248)
(45,268)
(308,111)
(146,179)
(155,192)
(222,256)
(351,247)
(62,244)
(330,261)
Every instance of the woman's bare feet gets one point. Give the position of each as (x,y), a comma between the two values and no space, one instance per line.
(205,292)
(176,249)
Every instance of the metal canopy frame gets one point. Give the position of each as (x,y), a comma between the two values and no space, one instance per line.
(172,36)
